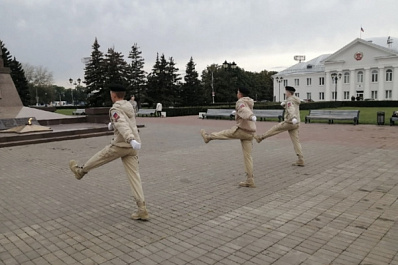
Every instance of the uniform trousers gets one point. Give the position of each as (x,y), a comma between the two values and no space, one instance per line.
(293,130)
(130,161)
(246,140)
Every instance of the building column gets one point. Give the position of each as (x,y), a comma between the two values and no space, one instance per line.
(328,78)
(381,94)
(366,82)
(353,91)
(395,84)
(340,88)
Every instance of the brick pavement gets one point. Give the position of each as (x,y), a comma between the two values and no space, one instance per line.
(340,209)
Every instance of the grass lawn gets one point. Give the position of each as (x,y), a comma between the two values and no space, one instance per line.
(65,111)
(366,115)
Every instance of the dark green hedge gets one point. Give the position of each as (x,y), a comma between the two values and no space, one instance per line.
(337,104)
(187,111)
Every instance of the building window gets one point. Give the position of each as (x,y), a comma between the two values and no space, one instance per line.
(297,94)
(389,75)
(321,81)
(285,83)
(309,81)
(296,82)
(346,95)
(346,78)
(388,94)
(374,94)
(360,77)
(308,95)
(374,76)
(334,95)
(321,95)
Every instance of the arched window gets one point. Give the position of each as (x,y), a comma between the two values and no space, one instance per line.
(346,78)
(389,75)
(360,77)
(374,76)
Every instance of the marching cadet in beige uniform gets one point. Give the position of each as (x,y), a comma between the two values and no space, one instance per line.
(244,130)
(290,124)
(124,145)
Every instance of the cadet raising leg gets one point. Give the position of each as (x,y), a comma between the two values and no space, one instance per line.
(124,145)
(244,130)
(291,124)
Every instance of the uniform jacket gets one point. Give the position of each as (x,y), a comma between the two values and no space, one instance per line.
(244,113)
(292,109)
(123,120)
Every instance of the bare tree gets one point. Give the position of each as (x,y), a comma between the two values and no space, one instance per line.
(40,82)
(38,75)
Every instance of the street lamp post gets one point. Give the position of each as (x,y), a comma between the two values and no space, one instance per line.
(212,86)
(37,97)
(75,84)
(335,77)
(279,79)
(226,65)
(232,66)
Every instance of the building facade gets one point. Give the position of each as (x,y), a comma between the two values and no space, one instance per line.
(361,70)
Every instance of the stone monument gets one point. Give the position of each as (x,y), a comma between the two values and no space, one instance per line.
(10,102)
(14,117)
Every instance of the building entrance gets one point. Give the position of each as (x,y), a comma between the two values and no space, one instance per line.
(359,95)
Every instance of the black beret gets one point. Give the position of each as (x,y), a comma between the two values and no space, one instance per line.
(116,88)
(245,91)
(290,88)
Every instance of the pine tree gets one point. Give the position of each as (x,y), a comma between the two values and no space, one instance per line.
(136,75)
(17,74)
(20,81)
(173,85)
(94,75)
(191,92)
(116,72)
(6,56)
(156,81)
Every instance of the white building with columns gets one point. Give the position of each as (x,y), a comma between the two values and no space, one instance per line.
(363,69)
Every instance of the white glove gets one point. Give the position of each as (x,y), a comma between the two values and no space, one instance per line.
(136,145)
(294,121)
(110,126)
(283,103)
(254,118)
(233,112)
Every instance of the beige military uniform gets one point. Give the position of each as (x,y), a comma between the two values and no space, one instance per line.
(292,110)
(244,130)
(125,129)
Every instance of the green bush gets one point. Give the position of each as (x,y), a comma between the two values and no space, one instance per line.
(184,111)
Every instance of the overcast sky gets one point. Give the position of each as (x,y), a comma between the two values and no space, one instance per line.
(256,34)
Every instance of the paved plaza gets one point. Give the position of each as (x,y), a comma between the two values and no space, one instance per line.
(340,209)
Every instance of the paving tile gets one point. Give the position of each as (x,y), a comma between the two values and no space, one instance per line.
(341,208)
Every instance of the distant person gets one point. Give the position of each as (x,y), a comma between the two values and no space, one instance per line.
(134,104)
(159,110)
(244,131)
(125,145)
(291,124)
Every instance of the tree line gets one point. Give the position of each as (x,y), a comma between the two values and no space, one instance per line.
(216,84)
